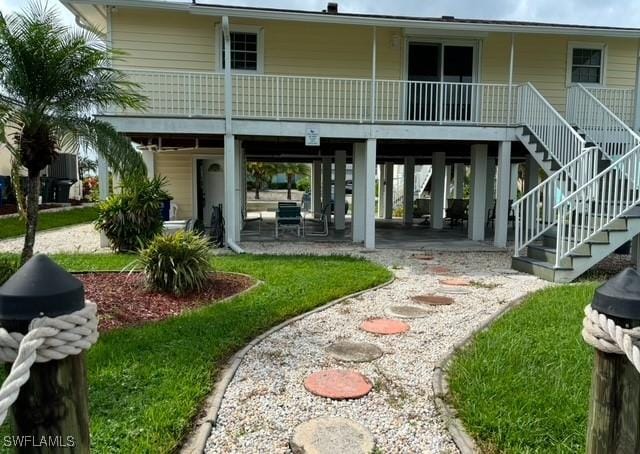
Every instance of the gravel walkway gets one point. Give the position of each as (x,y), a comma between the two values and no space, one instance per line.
(266,400)
(78,238)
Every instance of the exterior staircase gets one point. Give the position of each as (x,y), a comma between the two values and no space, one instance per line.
(588,206)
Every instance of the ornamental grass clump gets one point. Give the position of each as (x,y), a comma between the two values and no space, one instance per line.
(176,263)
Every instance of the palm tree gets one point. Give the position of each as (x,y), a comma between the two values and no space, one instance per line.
(52,77)
(292,170)
(261,173)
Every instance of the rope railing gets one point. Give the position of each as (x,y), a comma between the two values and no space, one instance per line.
(47,339)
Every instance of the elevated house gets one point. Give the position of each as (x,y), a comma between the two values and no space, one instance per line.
(230,84)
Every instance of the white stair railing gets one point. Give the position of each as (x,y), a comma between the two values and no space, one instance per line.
(549,127)
(423,175)
(599,123)
(597,203)
(536,213)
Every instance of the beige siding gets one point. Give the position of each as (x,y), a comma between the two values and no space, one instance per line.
(179,41)
(177,167)
(542,60)
(163,40)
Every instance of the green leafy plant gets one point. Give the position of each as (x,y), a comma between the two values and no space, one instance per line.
(8,266)
(304,184)
(132,218)
(176,263)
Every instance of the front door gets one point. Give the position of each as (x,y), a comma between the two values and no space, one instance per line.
(437,62)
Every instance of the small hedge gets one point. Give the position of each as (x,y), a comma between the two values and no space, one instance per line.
(132,218)
(8,266)
(177,263)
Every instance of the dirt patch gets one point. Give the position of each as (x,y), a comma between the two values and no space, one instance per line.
(123,301)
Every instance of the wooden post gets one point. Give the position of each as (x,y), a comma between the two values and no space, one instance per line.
(51,413)
(614,410)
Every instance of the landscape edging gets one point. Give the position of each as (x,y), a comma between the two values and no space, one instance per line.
(197,441)
(440,383)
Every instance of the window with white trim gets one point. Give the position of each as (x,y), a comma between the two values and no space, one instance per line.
(587,64)
(244,51)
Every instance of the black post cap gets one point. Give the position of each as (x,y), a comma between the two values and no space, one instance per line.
(619,296)
(40,287)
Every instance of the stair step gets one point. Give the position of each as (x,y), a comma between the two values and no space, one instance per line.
(540,268)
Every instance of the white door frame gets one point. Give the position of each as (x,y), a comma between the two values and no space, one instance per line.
(194,179)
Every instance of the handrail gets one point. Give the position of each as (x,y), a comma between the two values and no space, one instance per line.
(599,123)
(620,101)
(533,219)
(562,142)
(610,193)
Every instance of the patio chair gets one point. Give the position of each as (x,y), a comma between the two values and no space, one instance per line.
(491,215)
(250,220)
(323,221)
(457,212)
(289,218)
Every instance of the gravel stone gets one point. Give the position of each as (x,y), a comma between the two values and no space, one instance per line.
(266,400)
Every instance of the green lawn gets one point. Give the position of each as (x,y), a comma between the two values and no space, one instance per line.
(147,384)
(11,227)
(523,385)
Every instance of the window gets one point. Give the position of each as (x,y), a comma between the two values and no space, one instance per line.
(586,65)
(244,51)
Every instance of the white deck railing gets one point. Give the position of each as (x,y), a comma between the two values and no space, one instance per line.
(599,123)
(282,97)
(621,101)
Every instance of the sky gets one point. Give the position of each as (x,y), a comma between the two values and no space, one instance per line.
(622,13)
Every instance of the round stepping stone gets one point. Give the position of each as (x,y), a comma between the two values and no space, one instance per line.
(440,270)
(455,282)
(356,352)
(407,311)
(384,326)
(423,257)
(506,271)
(434,300)
(453,290)
(338,384)
(331,435)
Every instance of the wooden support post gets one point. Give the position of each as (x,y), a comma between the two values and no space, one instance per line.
(614,409)
(51,413)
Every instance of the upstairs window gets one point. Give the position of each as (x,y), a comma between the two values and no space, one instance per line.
(245,51)
(587,64)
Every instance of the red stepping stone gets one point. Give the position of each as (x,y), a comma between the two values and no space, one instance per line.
(440,270)
(384,326)
(434,300)
(338,384)
(455,282)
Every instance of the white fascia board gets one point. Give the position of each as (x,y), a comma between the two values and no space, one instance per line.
(364,21)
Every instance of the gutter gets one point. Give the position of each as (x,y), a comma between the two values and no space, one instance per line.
(353,19)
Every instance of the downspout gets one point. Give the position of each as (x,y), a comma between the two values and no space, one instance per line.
(374,56)
(636,110)
(511,58)
(228,103)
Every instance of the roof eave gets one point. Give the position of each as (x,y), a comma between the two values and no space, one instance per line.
(343,19)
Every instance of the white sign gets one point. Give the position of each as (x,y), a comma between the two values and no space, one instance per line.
(312,137)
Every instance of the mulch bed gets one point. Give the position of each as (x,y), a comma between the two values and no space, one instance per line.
(123,301)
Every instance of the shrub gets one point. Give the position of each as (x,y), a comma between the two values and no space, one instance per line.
(132,218)
(304,184)
(8,266)
(177,263)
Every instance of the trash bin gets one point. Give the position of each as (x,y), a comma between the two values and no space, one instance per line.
(62,190)
(166,209)
(49,186)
